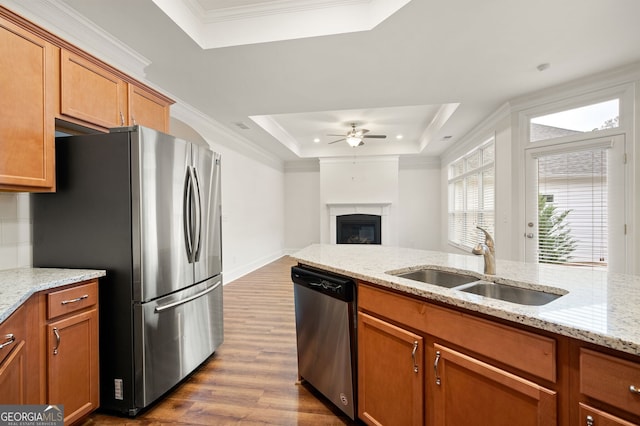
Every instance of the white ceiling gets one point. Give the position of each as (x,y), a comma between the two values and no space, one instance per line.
(428,60)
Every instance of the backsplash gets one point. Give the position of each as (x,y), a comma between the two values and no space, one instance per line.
(15,230)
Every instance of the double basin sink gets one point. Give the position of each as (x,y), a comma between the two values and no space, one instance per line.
(473,285)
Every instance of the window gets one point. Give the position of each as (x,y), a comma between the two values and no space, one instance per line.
(588,118)
(472,196)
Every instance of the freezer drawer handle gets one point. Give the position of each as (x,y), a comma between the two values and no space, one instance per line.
(77,299)
(188,299)
(10,338)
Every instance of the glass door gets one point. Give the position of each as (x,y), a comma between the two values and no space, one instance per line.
(575,204)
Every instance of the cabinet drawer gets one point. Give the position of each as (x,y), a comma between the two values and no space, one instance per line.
(611,380)
(72,299)
(13,331)
(591,416)
(516,348)
(393,306)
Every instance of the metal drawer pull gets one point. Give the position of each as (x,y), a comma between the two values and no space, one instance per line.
(634,390)
(9,339)
(186,300)
(413,356)
(435,368)
(590,421)
(55,332)
(77,299)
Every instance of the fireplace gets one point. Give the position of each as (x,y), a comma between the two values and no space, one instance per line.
(358,229)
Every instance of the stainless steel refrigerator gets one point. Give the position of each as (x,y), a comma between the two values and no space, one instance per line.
(145,206)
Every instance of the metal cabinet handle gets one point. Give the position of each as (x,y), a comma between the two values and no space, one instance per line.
(590,421)
(77,299)
(9,339)
(55,332)
(121,118)
(634,390)
(435,368)
(413,356)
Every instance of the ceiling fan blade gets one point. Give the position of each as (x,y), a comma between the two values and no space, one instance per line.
(375,136)
(339,140)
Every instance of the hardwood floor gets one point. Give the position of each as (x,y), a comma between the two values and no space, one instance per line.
(252,377)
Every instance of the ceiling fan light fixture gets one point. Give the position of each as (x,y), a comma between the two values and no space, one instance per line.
(354,141)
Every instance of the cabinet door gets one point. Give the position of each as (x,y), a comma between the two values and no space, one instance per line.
(13,361)
(589,416)
(91,93)
(72,345)
(390,373)
(147,109)
(27,127)
(467,391)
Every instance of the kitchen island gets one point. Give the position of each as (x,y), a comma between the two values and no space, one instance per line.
(424,350)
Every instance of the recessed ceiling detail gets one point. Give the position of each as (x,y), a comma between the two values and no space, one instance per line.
(418,125)
(220,23)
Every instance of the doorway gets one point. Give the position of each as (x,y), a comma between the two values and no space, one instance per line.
(575,204)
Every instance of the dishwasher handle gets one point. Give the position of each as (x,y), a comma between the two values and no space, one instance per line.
(333,285)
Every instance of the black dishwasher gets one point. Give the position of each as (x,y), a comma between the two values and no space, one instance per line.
(325,330)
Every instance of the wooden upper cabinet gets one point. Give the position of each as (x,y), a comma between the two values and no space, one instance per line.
(27,104)
(91,93)
(148,109)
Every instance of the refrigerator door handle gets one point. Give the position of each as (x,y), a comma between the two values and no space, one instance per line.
(197,231)
(186,215)
(187,299)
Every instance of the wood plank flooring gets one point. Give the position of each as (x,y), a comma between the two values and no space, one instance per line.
(252,377)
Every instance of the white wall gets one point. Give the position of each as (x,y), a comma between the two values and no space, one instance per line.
(15,230)
(419,205)
(359,180)
(302,205)
(418,213)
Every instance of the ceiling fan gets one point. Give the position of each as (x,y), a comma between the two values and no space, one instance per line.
(355,136)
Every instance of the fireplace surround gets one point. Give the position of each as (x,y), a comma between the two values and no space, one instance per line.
(381,209)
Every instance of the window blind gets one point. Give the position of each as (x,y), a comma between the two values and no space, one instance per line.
(472,196)
(572,208)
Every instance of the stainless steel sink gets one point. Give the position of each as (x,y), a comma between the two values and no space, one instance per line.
(437,277)
(522,296)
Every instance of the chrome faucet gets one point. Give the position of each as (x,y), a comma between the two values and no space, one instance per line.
(487,249)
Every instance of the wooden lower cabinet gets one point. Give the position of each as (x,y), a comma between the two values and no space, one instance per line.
(467,391)
(72,350)
(72,378)
(13,359)
(590,416)
(390,373)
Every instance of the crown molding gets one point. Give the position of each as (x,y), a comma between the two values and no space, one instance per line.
(276,20)
(65,22)
(216,133)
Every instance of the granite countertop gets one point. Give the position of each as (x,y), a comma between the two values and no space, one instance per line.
(596,306)
(17,285)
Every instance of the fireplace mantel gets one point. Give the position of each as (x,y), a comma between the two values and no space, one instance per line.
(375,208)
